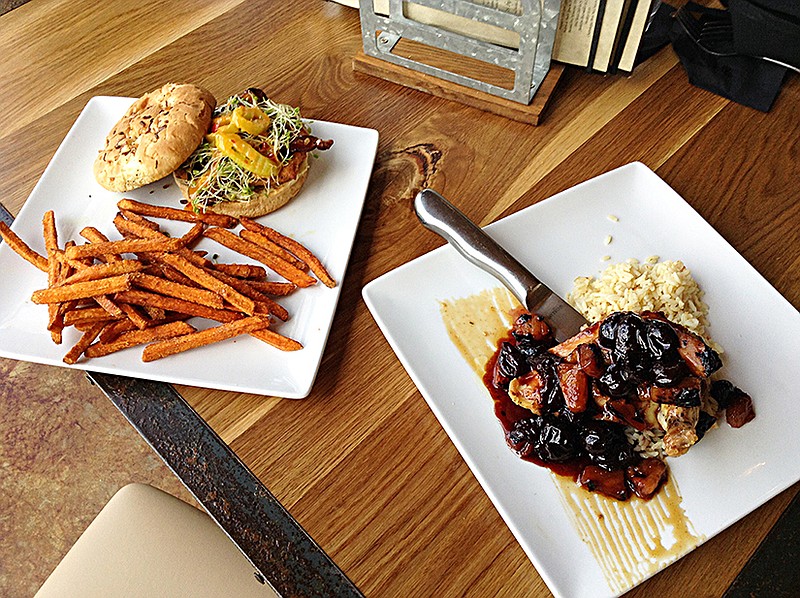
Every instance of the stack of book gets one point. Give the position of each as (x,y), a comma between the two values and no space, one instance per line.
(602,35)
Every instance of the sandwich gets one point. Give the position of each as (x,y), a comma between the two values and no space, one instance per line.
(253,159)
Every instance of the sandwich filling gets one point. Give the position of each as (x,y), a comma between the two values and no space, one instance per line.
(254,144)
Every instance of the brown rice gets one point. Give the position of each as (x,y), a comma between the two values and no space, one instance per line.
(665,286)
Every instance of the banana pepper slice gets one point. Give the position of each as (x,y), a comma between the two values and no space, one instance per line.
(247,119)
(251,120)
(242,153)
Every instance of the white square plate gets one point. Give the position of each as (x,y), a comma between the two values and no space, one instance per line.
(562,238)
(324,217)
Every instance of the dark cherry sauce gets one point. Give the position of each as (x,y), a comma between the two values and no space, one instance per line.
(588,445)
(570,407)
(509,413)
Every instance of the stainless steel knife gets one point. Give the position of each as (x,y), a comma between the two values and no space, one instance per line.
(472,242)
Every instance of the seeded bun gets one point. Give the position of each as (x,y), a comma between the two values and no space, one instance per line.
(154,137)
(263,201)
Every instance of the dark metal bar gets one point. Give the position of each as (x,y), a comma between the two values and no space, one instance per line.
(280,550)
(5,215)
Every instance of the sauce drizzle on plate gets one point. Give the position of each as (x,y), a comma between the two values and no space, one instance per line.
(629,540)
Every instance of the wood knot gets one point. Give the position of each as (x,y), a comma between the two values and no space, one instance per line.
(401,174)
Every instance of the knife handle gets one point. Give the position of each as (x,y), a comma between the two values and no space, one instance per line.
(443,218)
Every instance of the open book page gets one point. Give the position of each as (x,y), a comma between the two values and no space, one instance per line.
(576,26)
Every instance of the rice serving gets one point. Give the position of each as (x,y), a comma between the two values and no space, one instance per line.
(665,286)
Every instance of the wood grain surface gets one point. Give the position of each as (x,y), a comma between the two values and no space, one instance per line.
(362,463)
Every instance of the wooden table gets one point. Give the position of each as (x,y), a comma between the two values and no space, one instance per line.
(362,463)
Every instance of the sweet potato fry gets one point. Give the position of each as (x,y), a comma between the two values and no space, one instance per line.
(139,219)
(272,288)
(112,308)
(284,343)
(174,289)
(83,343)
(282,267)
(83,315)
(176,214)
(205,279)
(131,230)
(241,270)
(193,234)
(134,314)
(71,266)
(172,274)
(177,305)
(21,248)
(65,307)
(155,313)
(243,286)
(55,274)
(265,243)
(80,290)
(270,307)
(104,271)
(216,334)
(54,323)
(123,246)
(194,257)
(64,270)
(93,235)
(295,247)
(49,232)
(139,337)
(114,329)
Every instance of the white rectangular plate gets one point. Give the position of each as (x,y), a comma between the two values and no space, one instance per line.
(324,217)
(723,478)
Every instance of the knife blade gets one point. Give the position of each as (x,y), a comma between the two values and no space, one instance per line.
(279,549)
(439,215)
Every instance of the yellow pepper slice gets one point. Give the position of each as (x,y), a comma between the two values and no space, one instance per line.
(251,120)
(245,155)
(222,124)
(247,119)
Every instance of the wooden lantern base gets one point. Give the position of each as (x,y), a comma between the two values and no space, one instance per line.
(530,113)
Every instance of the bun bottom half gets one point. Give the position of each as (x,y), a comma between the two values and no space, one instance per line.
(263,201)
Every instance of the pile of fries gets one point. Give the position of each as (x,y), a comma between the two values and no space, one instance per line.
(118,302)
